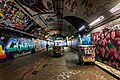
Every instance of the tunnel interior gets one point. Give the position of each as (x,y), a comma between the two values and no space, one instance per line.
(85,26)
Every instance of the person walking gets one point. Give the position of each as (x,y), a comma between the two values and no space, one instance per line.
(47,46)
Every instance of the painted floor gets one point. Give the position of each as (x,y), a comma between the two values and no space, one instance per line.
(39,66)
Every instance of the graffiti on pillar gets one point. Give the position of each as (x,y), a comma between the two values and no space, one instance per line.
(71,5)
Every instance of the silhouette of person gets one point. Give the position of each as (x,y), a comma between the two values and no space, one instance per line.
(47,46)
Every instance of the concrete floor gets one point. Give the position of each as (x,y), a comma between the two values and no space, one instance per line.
(40,67)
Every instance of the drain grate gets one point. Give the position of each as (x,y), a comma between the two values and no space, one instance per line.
(34,72)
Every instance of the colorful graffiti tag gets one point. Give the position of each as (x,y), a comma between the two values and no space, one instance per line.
(11,15)
(15,47)
(107,44)
(86,40)
(2,53)
(19,45)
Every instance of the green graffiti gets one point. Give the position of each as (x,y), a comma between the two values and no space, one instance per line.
(19,45)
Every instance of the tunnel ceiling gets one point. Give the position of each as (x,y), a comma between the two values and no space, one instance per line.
(89,10)
(76,21)
(64,15)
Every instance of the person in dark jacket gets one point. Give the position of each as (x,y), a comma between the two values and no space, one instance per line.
(47,46)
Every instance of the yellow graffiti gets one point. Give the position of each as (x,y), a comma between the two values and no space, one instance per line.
(2,54)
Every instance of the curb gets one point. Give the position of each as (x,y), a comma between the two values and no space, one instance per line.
(113,72)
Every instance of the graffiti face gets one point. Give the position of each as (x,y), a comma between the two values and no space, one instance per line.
(19,45)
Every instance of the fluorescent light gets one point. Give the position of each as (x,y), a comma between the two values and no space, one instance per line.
(116,8)
(97,20)
(83,27)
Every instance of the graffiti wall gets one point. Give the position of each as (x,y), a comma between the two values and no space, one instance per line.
(42,44)
(16,47)
(2,54)
(86,39)
(19,45)
(39,44)
(12,21)
(107,41)
(11,15)
(13,44)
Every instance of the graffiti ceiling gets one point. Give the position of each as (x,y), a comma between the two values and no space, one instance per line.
(49,14)
(13,17)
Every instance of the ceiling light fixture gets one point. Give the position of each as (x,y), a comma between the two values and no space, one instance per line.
(115,8)
(81,28)
(97,20)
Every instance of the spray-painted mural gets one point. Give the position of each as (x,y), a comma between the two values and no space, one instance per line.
(11,15)
(86,40)
(2,54)
(19,45)
(42,44)
(39,44)
(16,47)
(107,41)
(15,44)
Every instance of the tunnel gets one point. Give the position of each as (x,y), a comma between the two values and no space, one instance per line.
(59,39)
